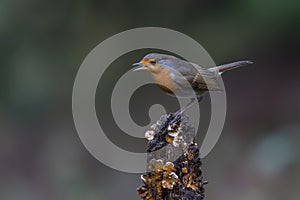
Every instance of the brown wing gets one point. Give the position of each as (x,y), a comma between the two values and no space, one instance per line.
(201,79)
(206,79)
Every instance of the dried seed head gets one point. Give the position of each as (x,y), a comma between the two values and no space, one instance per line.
(177,141)
(155,164)
(169,167)
(169,139)
(149,135)
(182,177)
(153,127)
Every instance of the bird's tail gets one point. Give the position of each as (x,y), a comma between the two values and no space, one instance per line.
(229,66)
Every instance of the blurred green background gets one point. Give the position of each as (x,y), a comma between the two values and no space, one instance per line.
(44,42)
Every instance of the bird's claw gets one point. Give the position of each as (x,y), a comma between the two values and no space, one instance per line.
(176,118)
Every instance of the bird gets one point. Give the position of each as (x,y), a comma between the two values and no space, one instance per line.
(175,75)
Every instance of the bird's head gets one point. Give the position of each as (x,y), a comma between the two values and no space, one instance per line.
(151,63)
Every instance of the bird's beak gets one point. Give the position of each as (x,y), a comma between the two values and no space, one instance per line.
(140,66)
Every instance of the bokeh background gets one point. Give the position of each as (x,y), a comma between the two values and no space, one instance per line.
(43,44)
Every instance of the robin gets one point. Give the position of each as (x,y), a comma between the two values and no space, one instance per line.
(174,75)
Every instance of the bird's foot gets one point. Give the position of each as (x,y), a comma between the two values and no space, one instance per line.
(176,118)
(199,98)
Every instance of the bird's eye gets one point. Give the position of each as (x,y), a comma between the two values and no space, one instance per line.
(152,62)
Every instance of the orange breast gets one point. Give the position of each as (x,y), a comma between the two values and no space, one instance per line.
(164,81)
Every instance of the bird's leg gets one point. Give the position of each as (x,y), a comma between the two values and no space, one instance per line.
(181,111)
(199,99)
(178,114)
